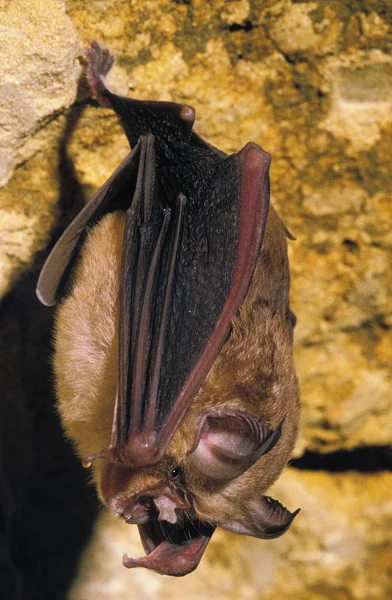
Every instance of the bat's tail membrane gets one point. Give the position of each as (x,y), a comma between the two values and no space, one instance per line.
(137,117)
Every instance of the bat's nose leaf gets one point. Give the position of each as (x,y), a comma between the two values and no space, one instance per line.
(166,508)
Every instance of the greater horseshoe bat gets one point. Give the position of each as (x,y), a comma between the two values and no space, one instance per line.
(173,342)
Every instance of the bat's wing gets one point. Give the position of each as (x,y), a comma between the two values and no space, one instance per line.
(194,227)
(198,141)
(111,196)
(186,268)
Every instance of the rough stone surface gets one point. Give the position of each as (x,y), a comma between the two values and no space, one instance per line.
(38,77)
(27,213)
(311,82)
(339,545)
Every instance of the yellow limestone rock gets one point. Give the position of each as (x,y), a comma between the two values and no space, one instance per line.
(39,74)
(28,210)
(38,79)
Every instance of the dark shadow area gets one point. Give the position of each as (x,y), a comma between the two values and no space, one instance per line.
(369,459)
(246,26)
(71,197)
(47,507)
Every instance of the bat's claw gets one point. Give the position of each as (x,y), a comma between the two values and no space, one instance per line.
(107,453)
(99,63)
(100,60)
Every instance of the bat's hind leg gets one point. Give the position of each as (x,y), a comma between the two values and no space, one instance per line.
(99,63)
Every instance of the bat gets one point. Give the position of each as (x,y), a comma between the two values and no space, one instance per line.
(173,341)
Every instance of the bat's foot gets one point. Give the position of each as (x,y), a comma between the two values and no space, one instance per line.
(99,63)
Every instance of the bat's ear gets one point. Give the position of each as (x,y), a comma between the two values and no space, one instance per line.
(227,444)
(266,518)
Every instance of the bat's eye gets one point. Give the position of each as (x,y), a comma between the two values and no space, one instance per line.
(175,472)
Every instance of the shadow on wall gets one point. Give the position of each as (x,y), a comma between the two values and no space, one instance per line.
(47,507)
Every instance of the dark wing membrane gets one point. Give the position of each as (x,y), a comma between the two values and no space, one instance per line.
(114,194)
(150,249)
(196,140)
(186,271)
(220,245)
(145,232)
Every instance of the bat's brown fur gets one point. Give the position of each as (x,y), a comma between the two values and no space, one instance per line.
(85,360)
(254,372)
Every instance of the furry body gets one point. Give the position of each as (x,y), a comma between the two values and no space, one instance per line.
(173,362)
(254,371)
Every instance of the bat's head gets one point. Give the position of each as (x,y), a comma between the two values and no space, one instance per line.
(212,478)
(156,499)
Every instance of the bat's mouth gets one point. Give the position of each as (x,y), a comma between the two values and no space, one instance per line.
(172,548)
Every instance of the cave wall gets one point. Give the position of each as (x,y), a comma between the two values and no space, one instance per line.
(311,82)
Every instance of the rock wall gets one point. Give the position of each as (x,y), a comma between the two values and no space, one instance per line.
(311,82)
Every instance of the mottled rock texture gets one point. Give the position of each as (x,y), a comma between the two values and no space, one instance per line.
(311,82)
